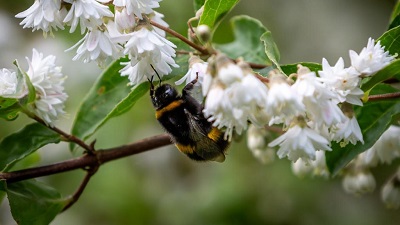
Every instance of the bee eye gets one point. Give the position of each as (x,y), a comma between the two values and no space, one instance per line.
(167,93)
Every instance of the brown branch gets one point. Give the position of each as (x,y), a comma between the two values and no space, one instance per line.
(384,96)
(181,37)
(88,160)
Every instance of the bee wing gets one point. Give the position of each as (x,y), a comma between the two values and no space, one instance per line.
(205,146)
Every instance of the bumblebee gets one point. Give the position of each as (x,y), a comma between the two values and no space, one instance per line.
(182,117)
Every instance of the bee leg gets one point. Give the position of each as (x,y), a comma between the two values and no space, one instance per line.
(190,86)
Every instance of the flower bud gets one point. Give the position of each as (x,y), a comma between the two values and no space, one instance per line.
(359,182)
(390,193)
(124,21)
(257,144)
(204,33)
(301,168)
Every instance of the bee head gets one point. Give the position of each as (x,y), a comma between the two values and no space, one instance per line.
(163,95)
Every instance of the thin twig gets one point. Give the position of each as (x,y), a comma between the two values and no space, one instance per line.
(88,160)
(75,197)
(199,48)
(65,135)
(69,137)
(384,96)
(181,37)
(255,65)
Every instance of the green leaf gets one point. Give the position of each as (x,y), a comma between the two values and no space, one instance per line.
(7,102)
(215,11)
(31,97)
(109,97)
(383,89)
(10,112)
(395,22)
(374,118)
(292,68)
(23,143)
(271,49)
(126,103)
(394,18)
(247,43)
(391,70)
(391,40)
(180,59)
(34,203)
(2,190)
(10,104)
(3,186)
(198,4)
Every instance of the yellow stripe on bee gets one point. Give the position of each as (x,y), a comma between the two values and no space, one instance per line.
(170,107)
(214,134)
(187,149)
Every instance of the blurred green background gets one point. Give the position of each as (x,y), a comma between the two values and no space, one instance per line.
(165,187)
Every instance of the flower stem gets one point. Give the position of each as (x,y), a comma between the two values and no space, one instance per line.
(68,137)
(181,37)
(74,198)
(384,96)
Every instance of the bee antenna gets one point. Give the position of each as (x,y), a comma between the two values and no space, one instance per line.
(158,75)
(150,80)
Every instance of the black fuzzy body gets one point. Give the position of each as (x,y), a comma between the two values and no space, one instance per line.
(182,117)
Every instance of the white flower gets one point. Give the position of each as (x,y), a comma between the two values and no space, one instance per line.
(234,99)
(88,13)
(391,195)
(359,182)
(197,70)
(315,167)
(257,144)
(138,7)
(124,22)
(349,131)
(48,81)
(391,192)
(215,101)
(96,45)
(321,102)
(230,74)
(283,102)
(371,58)
(8,83)
(43,14)
(158,18)
(146,48)
(302,168)
(344,82)
(300,141)
(386,148)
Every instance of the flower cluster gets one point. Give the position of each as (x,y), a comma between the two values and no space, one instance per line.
(314,108)
(229,102)
(109,34)
(357,176)
(47,81)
